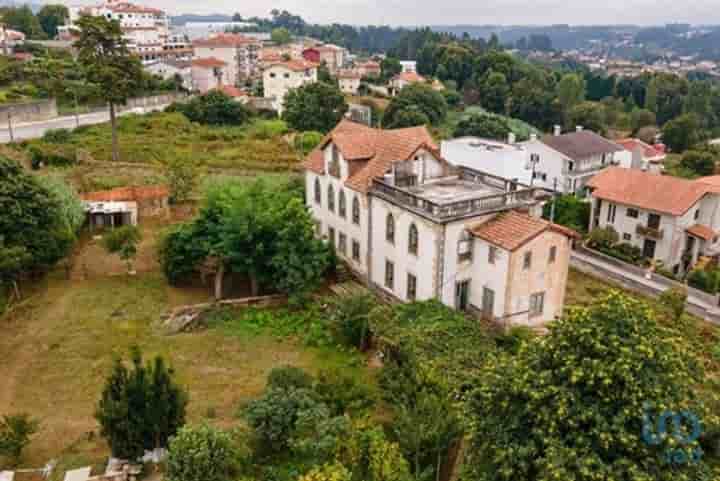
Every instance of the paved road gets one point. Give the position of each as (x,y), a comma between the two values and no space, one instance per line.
(33,130)
(630,280)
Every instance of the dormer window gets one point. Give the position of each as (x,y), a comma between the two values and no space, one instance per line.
(334,168)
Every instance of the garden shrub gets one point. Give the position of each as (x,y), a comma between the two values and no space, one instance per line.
(342,392)
(49,155)
(705,280)
(602,237)
(289,377)
(57,136)
(349,318)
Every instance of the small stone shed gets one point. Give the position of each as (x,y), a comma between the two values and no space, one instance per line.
(126,205)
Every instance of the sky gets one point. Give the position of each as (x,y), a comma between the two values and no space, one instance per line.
(476,12)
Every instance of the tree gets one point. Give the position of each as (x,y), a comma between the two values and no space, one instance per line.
(213,108)
(590,115)
(181,174)
(580,404)
(281,36)
(15,434)
(327,472)
(570,211)
(570,91)
(140,409)
(483,125)
(494,92)
(699,102)
(107,62)
(315,106)
(202,453)
(410,117)
(700,162)
(418,97)
(681,133)
(123,241)
(23,20)
(640,118)
(674,300)
(51,16)
(389,67)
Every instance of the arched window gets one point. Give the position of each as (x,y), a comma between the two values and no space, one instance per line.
(465,246)
(390,228)
(413,239)
(356,211)
(331,198)
(342,210)
(318,194)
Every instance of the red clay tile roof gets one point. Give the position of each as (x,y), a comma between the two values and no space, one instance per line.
(701,231)
(209,62)
(127,7)
(354,74)
(649,151)
(659,193)
(373,150)
(511,230)
(294,65)
(127,194)
(233,91)
(224,40)
(410,77)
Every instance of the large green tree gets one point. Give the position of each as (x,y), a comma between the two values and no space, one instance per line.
(570,91)
(203,453)
(681,133)
(420,97)
(495,92)
(483,125)
(106,61)
(585,402)
(589,115)
(315,106)
(214,108)
(51,16)
(24,20)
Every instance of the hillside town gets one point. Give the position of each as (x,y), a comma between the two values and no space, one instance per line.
(260,248)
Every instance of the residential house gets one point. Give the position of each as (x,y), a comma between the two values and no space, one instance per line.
(171,69)
(239,52)
(408,65)
(332,56)
(238,95)
(673,220)
(349,81)
(639,155)
(566,162)
(280,77)
(210,73)
(415,228)
(403,79)
(369,68)
(125,205)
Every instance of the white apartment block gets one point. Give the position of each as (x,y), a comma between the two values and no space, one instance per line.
(416,228)
(281,77)
(673,220)
(210,73)
(240,53)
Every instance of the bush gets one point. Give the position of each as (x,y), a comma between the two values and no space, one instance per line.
(57,136)
(700,162)
(307,141)
(570,212)
(483,125)
(15,434)
(343,393)
(202,453)
(349,318)
(603,238)
(705,280)
(511,340)
(289,377)
(213,108)
(51,155)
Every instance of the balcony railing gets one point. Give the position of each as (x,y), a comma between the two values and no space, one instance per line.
(462,208)
(649,232)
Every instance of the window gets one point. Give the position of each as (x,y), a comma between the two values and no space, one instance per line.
(356,250)
(553,254)
(341,204)
(331,198)
(633,213)
(272,74)
(627,237)
(287,75)
(697,214)
(390,228)
(411,287)
(537,304)
(318,193)
(331,236)
(342,243)
(389,274)
(527,260)
(653,221)
(492,254)
(571,165)
(413,239)
(465,247)
(612,209)
(356,211)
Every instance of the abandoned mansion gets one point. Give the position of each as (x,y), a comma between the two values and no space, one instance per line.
(415,227)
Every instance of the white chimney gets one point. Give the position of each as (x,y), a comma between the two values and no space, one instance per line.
(533,137)
(511,138)
(557,130)
(579,128)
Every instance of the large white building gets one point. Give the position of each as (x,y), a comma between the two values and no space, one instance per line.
(240,53)
(415,227)
(281,77)
(673,220)
(504,159)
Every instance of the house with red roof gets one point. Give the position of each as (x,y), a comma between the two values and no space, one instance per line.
(414,227)
(280,77)
(403,79)
(210,73)
(672,220)
(240,52)
(640,155)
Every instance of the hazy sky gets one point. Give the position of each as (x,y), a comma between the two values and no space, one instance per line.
(506,12)
(417,12)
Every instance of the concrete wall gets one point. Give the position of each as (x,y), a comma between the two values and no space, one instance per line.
(154,100)
(497,158)
(28,111)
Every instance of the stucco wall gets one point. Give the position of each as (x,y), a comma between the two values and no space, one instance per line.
(28,111)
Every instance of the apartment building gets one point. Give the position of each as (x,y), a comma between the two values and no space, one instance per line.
(280,77)
(240,53)
(415,227)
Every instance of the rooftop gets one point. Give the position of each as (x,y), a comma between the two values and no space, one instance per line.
(209,62)
(127,194)
(511,230)
(581,145)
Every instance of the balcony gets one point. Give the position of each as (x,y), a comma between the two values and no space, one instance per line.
(650,232)
(467,194)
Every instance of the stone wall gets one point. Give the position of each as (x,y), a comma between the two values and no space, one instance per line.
(153,101)
(28,111)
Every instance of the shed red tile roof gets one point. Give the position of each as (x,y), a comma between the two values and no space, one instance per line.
(372,151)
(659,193)
(127,194)
(225,40)
(294,65)
(701,231)
(410,77)
(209,62)
(649,151)
(511,230)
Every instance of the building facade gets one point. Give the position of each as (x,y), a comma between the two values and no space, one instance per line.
(210,73)
(416,228)
(240,53)
(281,77)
